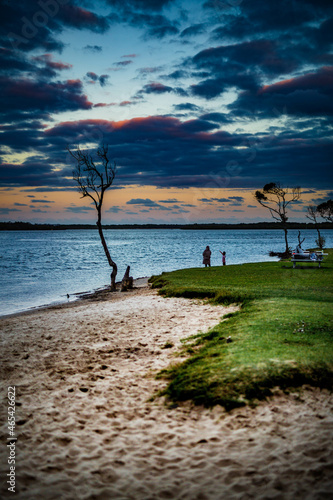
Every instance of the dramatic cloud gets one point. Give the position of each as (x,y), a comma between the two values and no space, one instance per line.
(310,94)
(29,25)
(154,5)
(243,65)
(255,17)
(27,97)
(186,106)
(160,88)
(227,94)
(164,151)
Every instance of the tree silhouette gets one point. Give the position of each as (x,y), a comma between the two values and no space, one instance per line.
(325,210)
(312,214)
(277,199)
(94,174)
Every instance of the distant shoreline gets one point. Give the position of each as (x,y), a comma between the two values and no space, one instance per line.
(28,226)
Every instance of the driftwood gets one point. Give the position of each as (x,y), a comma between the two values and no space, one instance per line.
(127,281)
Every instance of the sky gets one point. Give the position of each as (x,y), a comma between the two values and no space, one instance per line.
(200,102)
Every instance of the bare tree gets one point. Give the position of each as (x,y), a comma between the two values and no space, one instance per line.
(94,177)
(299,239)
(312,214)
(277,199)
(325,210)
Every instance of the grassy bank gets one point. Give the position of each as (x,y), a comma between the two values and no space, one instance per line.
(281,336)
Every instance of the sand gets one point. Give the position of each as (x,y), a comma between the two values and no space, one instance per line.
(86,429)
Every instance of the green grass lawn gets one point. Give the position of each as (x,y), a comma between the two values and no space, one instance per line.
(281,336)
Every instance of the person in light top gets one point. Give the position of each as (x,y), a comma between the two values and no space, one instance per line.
(223,257)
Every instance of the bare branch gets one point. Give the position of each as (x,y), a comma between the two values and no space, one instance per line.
(312,213)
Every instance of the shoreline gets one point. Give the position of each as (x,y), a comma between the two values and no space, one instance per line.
(87,428)
(98,292)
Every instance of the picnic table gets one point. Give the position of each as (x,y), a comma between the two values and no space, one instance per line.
(307,256)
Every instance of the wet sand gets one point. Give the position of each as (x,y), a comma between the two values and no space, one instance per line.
(86,428)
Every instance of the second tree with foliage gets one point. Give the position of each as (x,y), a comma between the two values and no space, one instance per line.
(276,199)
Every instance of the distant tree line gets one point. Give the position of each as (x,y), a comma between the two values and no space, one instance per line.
(29,226)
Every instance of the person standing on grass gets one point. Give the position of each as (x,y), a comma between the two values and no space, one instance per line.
(206,256)
(223,257)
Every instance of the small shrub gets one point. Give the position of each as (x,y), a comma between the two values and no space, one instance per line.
(167,345)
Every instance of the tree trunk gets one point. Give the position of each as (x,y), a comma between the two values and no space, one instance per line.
(286,239)
(108,256)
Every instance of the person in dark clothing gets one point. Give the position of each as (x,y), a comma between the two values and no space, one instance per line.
(206,256)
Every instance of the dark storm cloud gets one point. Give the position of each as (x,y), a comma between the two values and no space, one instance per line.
(168,152)
(27,88)
(80,18)
(275,56)
(22,136)
(33,173)
(139,129)
(159,88)
(48,68)
(154,25)
(255,17)
(242,65)
(263,54)
(13,62)
(307,95)
(27,97)
(186,106)
(27,25)
(215,117)
(154,5)
(155,88)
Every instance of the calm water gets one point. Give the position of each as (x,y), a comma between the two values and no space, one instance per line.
(42,267)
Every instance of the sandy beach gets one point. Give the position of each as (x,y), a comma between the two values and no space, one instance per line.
(86,426)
